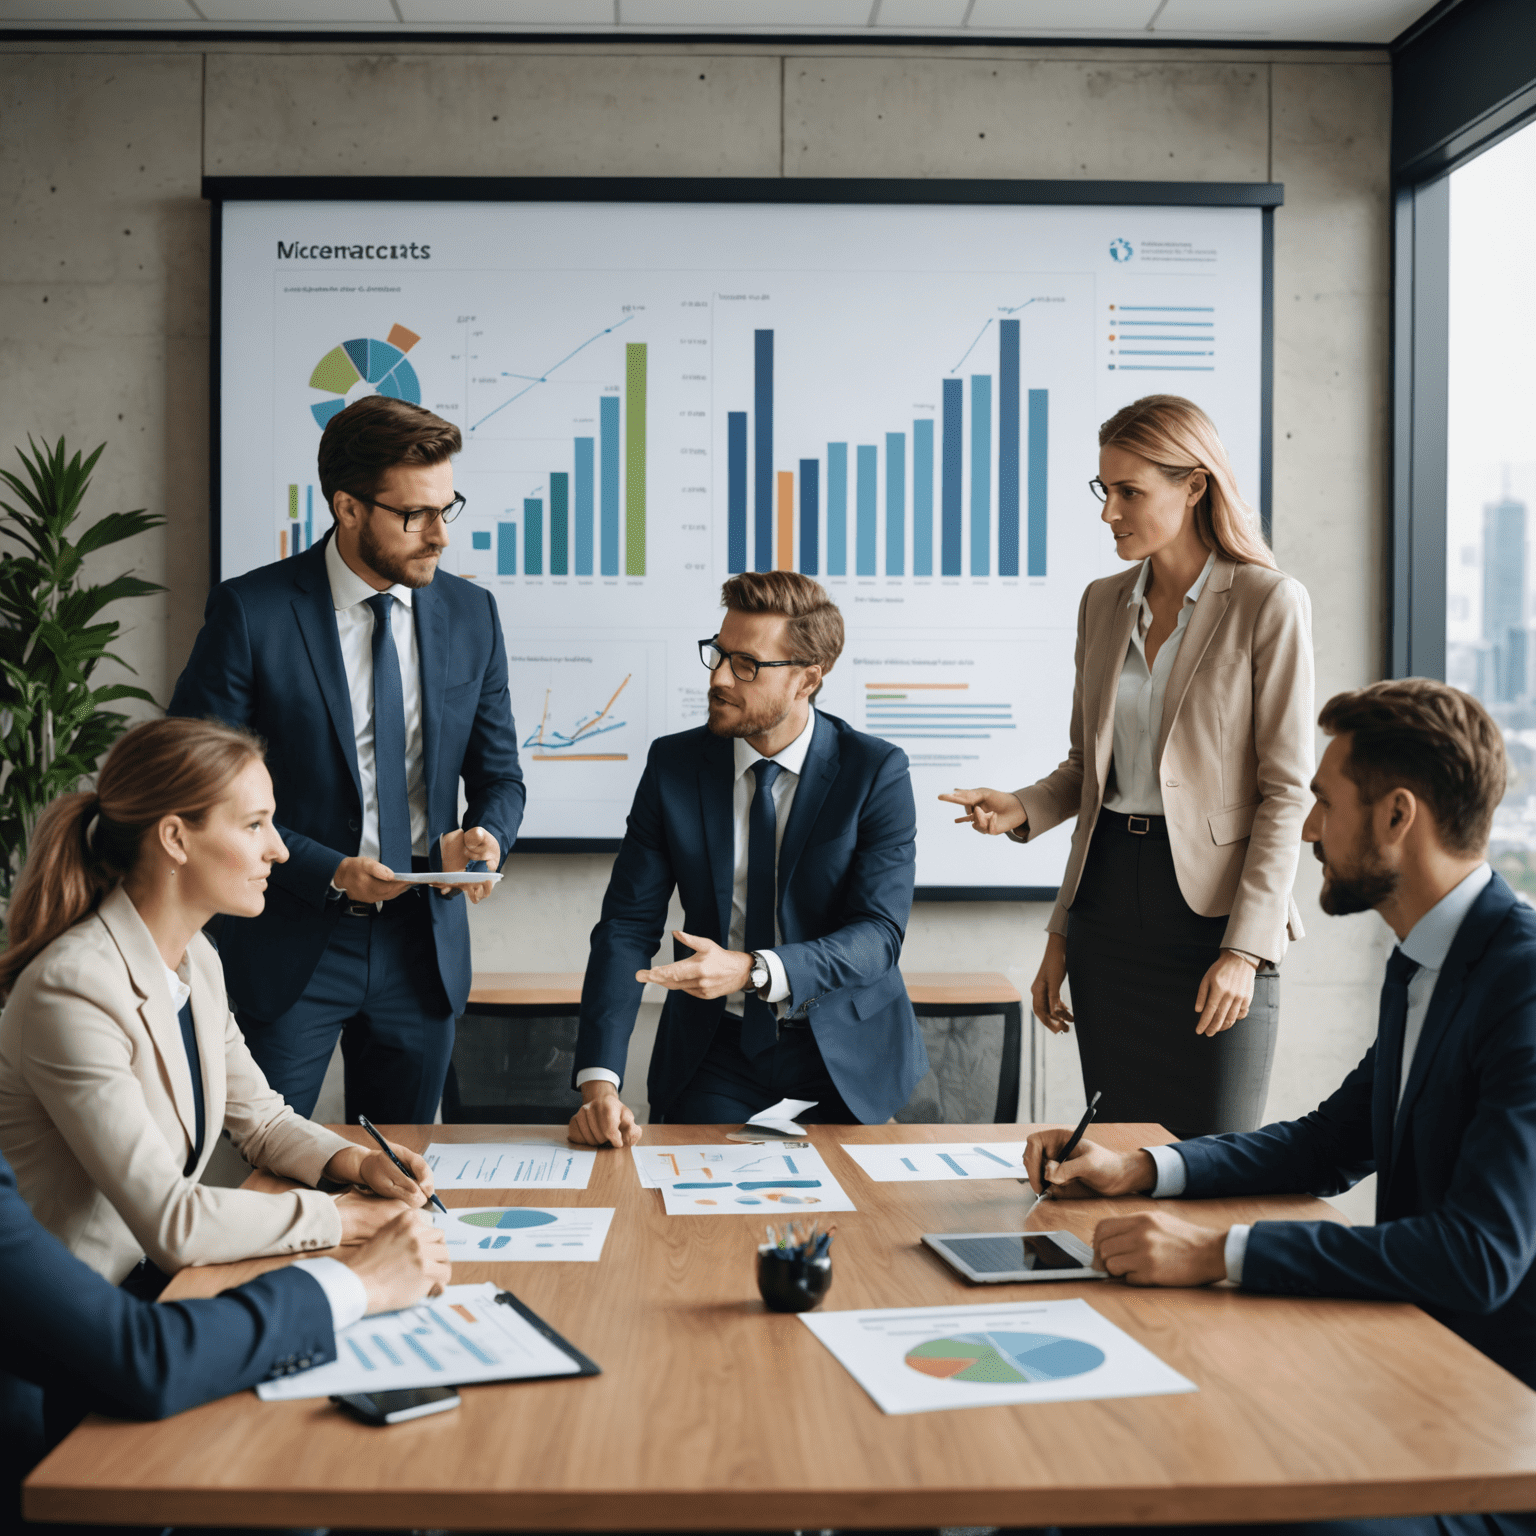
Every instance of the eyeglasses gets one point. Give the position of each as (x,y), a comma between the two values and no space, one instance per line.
(418,518)
(1099,489)
(743,667)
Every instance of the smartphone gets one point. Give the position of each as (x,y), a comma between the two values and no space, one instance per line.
(397,1407)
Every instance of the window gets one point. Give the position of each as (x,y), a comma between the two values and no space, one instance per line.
(1491,471)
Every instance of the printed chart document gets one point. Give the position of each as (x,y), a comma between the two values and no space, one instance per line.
(465,1335)
(905,1163)
(509,1165)
(729,1179)
(519,1233)
(918,1359)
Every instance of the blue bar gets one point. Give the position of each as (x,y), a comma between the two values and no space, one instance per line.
(762,463)
(1008,448)
(1039,424)
(954,409)
(736,492)
(981,474)
(533,538)
(608,489)
(837,509)
(869,467)
(309,516)
(506,549)
(895,503)
(922,498)
(810,514)
(585,447)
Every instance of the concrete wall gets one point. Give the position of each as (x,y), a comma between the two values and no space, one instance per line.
(104,306)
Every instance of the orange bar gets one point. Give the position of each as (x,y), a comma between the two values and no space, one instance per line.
(786,560)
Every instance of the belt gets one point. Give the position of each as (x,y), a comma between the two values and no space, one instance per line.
(1137,826)
(368,909)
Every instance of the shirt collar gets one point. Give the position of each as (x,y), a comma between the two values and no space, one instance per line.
(178,988)
(348,589)
(1196,587)
(791,759)
(1429,940)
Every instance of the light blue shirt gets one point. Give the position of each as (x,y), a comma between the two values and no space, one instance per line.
(1428,943)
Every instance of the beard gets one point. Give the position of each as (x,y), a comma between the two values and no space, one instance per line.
(403,571)
(1364,887)
(745,722)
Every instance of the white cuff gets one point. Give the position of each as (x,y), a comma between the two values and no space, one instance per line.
(596,1075)
(1172,1175)
(778,977)
(1237,1251)
(347,1294)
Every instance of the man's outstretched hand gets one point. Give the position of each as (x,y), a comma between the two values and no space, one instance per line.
(710,972)
(460,850)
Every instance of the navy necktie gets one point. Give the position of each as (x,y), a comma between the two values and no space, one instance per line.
(389,742)
(760,1029)
(1393,1022)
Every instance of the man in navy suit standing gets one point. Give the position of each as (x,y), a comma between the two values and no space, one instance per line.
(1443,1107)
(790,839)
(377,689)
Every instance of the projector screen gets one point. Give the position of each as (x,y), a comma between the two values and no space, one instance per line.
(892,387)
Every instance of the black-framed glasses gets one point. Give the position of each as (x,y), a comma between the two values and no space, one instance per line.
(743,667)
(1099,489)
(418,518)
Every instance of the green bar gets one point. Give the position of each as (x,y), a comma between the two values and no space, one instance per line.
(293,501)
(634,458)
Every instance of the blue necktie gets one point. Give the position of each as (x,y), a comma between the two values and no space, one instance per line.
(389,742)
(1393,1022)
(759,1026)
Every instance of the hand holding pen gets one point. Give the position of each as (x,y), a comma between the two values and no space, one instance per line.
(1037,1142)
(389,1152)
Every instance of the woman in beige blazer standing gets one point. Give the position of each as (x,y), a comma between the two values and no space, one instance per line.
(1191,753)
(120,1062)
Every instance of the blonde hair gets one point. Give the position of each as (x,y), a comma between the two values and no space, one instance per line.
(1177,437)
(86,842)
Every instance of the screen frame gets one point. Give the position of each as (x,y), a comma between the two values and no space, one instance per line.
(1264,196)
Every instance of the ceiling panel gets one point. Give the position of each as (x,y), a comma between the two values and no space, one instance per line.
(314,13)
(1313,21)
(45,12)
(1079,18)
(710,15)
(921,13)
(543,13)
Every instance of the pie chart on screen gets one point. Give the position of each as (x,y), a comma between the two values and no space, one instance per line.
(365,366)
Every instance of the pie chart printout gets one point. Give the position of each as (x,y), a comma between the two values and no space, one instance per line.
(1005,1359)
(514,1217)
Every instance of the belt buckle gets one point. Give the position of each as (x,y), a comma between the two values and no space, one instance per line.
(359,909)
(1143,829)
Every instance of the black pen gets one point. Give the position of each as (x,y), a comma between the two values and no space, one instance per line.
(1071,1146)
(388,1152)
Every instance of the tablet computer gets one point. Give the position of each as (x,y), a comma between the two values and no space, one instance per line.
(991,1258)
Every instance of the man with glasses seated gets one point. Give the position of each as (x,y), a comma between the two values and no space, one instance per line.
(377,684)
(790,839)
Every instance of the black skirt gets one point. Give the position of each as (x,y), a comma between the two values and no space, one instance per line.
(1136,954)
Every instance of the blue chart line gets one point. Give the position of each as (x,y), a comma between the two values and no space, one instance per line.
(543,378)
(485,1357)
(411,1340)
(944,1157)
(910,1164)
(979,334)
(382,1345)
(982,1152)
(362,1359)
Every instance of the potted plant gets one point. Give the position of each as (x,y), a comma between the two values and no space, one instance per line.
(53,727)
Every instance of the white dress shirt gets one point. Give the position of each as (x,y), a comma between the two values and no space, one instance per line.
(1135,789)
(1428,943)
(354,627)
(345,1293)
(791,760)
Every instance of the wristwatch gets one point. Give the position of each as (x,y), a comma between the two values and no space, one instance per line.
(758,980)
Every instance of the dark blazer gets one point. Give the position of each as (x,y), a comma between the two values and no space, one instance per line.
(1455,1164)
(89,1345)
(269,657)
(846,864)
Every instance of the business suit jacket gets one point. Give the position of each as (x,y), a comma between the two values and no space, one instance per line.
(845,877)
(1455,1162)
(97,1116)
(269,657)
(1234,752)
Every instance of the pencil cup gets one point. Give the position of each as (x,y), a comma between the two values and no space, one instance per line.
(790,1284)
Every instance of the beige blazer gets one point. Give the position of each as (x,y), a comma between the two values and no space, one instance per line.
(1235,751)
(97,1119)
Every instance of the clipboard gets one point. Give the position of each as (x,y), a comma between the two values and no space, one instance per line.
(585,1364)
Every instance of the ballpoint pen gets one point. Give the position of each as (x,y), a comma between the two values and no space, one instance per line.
(388,1152)
(1068,1150)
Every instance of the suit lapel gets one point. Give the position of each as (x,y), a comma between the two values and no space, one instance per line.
(316,615)
(1210,610)
(717,784)
(1107,678)
(146,972)
(816,776)
(431,617)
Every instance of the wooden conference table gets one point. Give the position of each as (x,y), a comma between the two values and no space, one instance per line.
(712,1413)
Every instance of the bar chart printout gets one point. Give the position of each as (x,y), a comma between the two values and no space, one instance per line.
(903,1163)
(509,1165)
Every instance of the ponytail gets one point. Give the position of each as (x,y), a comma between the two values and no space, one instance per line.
(86,843)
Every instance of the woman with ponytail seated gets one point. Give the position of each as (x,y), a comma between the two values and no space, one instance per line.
(120,1061)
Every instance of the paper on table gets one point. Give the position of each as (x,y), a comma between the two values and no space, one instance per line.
(919,1359)
(449,877)
(509,1165)
(790,1178)
(522,1233)
(907,1162)
(780,1118)
(464,1335)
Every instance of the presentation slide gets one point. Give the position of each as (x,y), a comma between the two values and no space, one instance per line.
(900,400)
